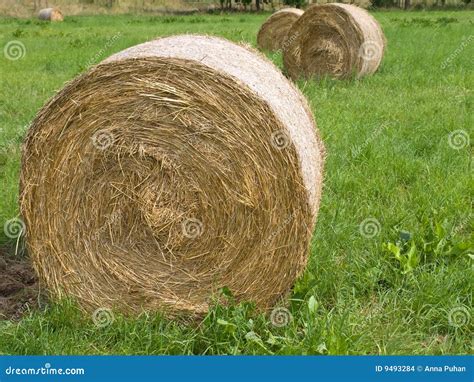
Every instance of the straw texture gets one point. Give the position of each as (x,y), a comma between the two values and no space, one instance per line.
(272,33)
(337,40)
(171,170)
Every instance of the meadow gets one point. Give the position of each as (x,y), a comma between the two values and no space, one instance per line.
(391,265)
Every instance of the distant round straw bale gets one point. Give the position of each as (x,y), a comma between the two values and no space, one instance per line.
(337,40)
(273,31)
(171,170)
(50,14)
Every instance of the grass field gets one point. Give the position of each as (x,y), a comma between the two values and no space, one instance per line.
(392,257)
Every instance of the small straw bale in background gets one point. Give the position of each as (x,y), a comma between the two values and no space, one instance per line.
(336,40)
(50,14)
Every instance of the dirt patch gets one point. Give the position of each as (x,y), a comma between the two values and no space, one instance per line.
(19,288)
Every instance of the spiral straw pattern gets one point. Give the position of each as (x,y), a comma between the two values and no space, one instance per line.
(185,192)
(336,40)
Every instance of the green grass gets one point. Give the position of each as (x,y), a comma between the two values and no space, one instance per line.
(388,158)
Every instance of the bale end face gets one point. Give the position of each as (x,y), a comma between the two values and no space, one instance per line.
(173,184)
(336,40)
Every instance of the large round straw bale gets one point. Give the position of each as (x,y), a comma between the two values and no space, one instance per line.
(273,31)
(338,40)
(50,14)
(171,170)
